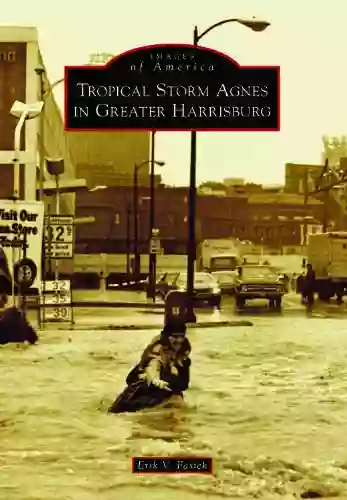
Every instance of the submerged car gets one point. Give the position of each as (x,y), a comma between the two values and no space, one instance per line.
(259,282)
(206,288)
(226,281)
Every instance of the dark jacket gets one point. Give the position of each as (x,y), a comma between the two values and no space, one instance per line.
(172,367)
(14,327)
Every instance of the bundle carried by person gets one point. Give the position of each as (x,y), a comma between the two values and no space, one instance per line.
(163,371)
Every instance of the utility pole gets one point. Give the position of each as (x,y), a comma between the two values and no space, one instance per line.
(40,72)
(191,243)
(136,262)
(128,237)
(325,211)
(152,271)
(305,206)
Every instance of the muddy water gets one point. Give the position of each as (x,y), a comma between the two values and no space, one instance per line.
(268,403)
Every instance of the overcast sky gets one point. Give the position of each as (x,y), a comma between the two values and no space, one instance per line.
(307,39)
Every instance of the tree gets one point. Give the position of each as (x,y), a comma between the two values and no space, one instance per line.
(215,186)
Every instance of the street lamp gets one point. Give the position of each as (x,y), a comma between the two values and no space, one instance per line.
(23,112)
(254,25)
(137,257)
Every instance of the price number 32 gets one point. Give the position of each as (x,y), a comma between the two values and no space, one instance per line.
(58,233)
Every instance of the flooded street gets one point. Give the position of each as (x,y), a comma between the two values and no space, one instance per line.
(268,403)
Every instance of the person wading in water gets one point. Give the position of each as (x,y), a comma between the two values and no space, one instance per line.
(14,326)
(163,371)
(309,287)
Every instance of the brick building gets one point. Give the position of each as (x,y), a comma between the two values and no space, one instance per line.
(274,220)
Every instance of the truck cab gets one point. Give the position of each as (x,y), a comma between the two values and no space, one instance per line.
(327,254)
(223,263)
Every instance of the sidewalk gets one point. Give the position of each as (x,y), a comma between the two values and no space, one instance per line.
(114,298)
(123,319)
(328,308)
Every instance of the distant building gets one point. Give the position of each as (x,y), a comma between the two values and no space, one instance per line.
(335,148)
(302,177)
(233,181)
(296,175)
(108,158)
(274,220)
(19,58)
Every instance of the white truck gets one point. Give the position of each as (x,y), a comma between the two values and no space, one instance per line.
(327,253)
(218,255)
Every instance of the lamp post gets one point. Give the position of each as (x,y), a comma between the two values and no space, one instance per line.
(254,25)
(152,256)
(23,112)
(55,167)
(137,256)
(44,93)
(128,239)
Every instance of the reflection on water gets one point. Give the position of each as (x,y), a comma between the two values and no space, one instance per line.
(268,403)
(170,422)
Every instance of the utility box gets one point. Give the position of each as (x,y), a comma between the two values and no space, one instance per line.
(175,305)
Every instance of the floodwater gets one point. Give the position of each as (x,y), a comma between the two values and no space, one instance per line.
(268,403)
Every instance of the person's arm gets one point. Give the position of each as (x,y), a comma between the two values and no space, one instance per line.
(152,371)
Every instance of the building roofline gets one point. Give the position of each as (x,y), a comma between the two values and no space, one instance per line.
(17,34)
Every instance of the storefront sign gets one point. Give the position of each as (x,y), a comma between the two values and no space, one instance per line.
(22,222)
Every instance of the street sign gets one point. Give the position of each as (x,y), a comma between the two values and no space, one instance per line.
(155,246)
(59,236)
(56,301)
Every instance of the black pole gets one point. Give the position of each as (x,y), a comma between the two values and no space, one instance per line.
(136,267)
(191,246)
(152,271)
(305,206)
(325,211)
(128,246)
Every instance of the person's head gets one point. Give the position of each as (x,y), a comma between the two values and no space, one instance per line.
(174,333)
(309,267)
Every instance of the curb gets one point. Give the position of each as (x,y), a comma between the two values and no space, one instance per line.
(103,303)
(205,324)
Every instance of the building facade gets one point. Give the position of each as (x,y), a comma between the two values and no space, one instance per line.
(20,58)
(275,222)
(108,158)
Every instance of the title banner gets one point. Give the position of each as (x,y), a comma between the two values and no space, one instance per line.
(172,87)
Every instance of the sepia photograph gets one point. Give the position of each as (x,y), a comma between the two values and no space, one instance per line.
(173,250)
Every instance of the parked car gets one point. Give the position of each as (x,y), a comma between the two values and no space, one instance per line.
(259,282)
(206,287)
(226,281)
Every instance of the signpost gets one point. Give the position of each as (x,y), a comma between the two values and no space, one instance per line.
(56,302)
(59,236)
(155,245)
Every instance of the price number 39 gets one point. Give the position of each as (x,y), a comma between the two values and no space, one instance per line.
(60,312)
